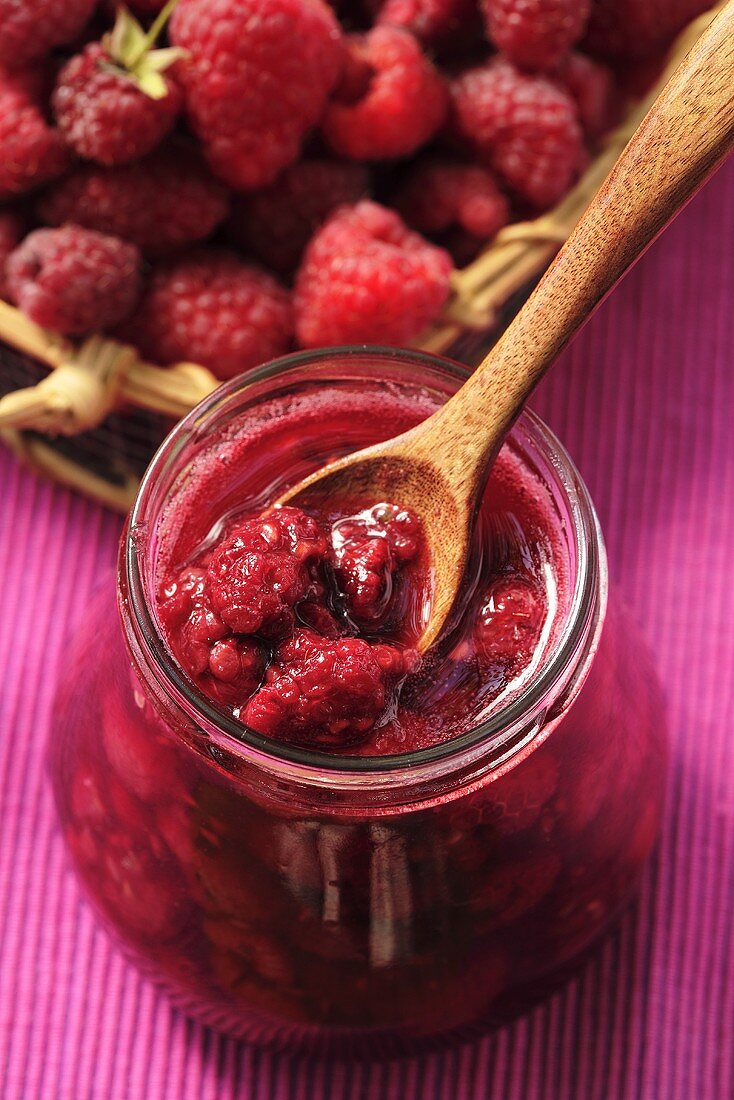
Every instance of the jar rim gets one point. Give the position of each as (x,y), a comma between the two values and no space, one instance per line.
(317,766)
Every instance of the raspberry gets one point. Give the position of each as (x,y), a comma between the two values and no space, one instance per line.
(637,28)
(592,86)
(212,308)
(328,693)
(369,550)
(162,203)
(105,115)
(535,34)
(74,280)
(433,22)
(403,105)
(276,224)
(237,666)
(509,624)
(525,127)
(365,277)
(440,194)
(257,78)
(262,570)
(11,232)
(32,28)
(31,152)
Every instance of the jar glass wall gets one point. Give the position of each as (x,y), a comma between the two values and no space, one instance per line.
(356,903)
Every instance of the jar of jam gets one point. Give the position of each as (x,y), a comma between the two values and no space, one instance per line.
(307,835)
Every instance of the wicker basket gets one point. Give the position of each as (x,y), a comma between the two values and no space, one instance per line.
(91,415)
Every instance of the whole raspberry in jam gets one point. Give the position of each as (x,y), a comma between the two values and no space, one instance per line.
(535,34)
(276,224)
(402,105)
(164,202)
(73,280)
(593,88)
(29,29)
(31,151)
(11,232)
(368,552)
(524,126)
(212,308)
(366,277)
(509,625)
(105,112)
(259,573)
(257,77)
(319,691)
(439,194)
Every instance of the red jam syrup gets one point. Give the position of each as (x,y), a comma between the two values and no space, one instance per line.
(304,621)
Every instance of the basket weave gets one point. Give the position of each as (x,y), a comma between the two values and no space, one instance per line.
(91,415)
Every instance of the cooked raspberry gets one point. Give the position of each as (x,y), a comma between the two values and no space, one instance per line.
(103,113)
(256,79)
(237,666)
(11,232)
(637,28)
(32,28)
(212,308)
(162,203)
(433,22)
(74,280)
(366,277)
(276,224)
(31,151)
(322,692)
(524,126)
(440,194)
(592,86)
(403,106)
(261,571)
(177,599)
(368,552)
(535,34)
(509,624)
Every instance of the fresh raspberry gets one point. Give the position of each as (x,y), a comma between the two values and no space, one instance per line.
(593,88)
(276,224)
(73,280)
(403,105)
(263,569)
(162,203)
(366,277)
(256,79)
(535,34)
(433,22)
(526,128)
(11,232)
(368,552)
(211,308)
(509,625)
(105,115)
(31,152)
(29,29)
(437,195)
(328,693)
(638,28)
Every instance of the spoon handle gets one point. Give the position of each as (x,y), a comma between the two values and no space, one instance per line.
(687,133)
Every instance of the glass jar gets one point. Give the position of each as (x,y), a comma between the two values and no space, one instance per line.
(358,904)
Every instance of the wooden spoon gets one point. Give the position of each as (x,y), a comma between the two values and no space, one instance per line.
(439,468)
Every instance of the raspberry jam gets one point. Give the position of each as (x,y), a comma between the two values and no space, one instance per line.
(307,836)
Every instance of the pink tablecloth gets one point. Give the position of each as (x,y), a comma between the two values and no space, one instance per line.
(645,402)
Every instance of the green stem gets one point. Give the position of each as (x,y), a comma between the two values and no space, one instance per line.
(155,29)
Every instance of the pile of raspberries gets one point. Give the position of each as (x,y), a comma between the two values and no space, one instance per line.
(220,181)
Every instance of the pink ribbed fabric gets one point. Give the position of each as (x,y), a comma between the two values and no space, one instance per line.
(645,402)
